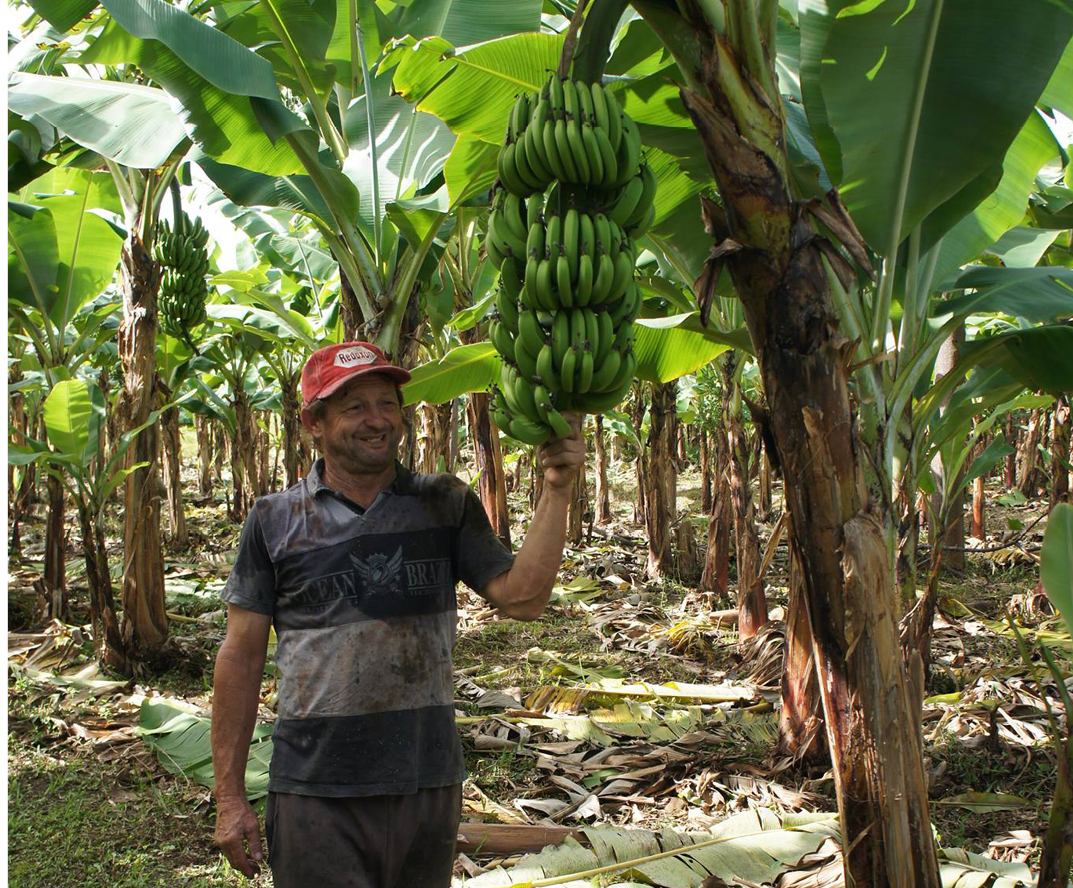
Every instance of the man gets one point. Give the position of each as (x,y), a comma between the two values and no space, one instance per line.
(356,565)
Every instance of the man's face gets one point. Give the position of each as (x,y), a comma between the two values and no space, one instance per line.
(361,425)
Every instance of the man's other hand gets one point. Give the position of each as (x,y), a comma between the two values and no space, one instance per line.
(562,458)
(238,835)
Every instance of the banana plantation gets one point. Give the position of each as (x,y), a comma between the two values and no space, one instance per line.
(802,267)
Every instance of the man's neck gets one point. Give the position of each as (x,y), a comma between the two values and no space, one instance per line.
(361,488)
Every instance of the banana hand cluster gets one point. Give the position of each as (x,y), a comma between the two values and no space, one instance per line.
(561,231)
(184,262)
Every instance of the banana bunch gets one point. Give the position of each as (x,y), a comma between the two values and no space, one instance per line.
(571,132)
(562,233)
(184,262)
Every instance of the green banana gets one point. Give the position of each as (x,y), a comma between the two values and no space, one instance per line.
(623,273)
(644,224)
(529,432)
(592,330)
(628,306)
(584,372)
(577,152)
(551,149)
(524,170)
(563,284)
(606,370)
(530,334)
(606,337)
(601,403)
(507,377)
(560,337)
(629,153)
(558,99)
(534,210)
(599,106)
(571,234)
(614,120)
(507,242)
(501,419)
(523,394)
(545,365)
(586,245)
(584,101)
(553,237)
(544,289)
(508,310)
(568,368)
(508,172)
(578,329)
(627,201)
(605,273)
(551,416)
(570,103)
(508,275)
(592,153)
(534,244)
(603,233)
(583,288)
(648,194)
(519,117)
(566,153)
(529,295)
(526,362)
(534,144)
(502,341)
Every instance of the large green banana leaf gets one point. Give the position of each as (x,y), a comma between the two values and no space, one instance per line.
(1034,146)
(668,348)
(465,22)
(224,88)
(470,169)
(913,105)
(1056,561)
(73,413)
(468,368)
(410,147)
(1036,294)
(131,124)
(1040,358)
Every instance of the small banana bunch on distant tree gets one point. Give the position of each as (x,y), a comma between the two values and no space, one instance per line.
(575,195)
(184,262)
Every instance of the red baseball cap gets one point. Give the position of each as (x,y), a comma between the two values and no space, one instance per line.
(330,367)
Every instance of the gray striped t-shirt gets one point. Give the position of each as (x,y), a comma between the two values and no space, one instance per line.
(363,603)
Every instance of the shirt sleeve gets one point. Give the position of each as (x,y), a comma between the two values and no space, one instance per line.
(252,581)
(479,553)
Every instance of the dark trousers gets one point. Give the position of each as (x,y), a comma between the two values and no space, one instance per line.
(403,841)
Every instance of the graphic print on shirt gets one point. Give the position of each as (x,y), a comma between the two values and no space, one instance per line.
(379,573)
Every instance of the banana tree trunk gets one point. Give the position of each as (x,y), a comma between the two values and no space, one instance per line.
(801,730)
(602,494)
(1060,444)
(705,474)
(637,414)
(173,460)
(262,445)
(239,449)
(752,606)
(1009,469)
(145,624)
(488,459)
(715,577)
(659,480)
(291,435)
(950,534)
(434,442)
(764,508)
(578,514)
(775,260)
(979,502)
(55,574)
(107,636)
(204,454)
(1028,456)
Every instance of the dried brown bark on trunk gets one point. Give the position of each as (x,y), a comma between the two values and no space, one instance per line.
(1028,456)
(873,731)
(752,606)
(979,500)
(488,463)
(705,474)
(577,516)
(107,636)
(660,480)
(1060,443)
(145,624)
(1009,472)
(715,577)
(801,729)
(240,459)
(637,414)
(434,442)
(764,506)
(602,493)
(203,425)
(261,448)
(291,432)
(172,441)
(55,573)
